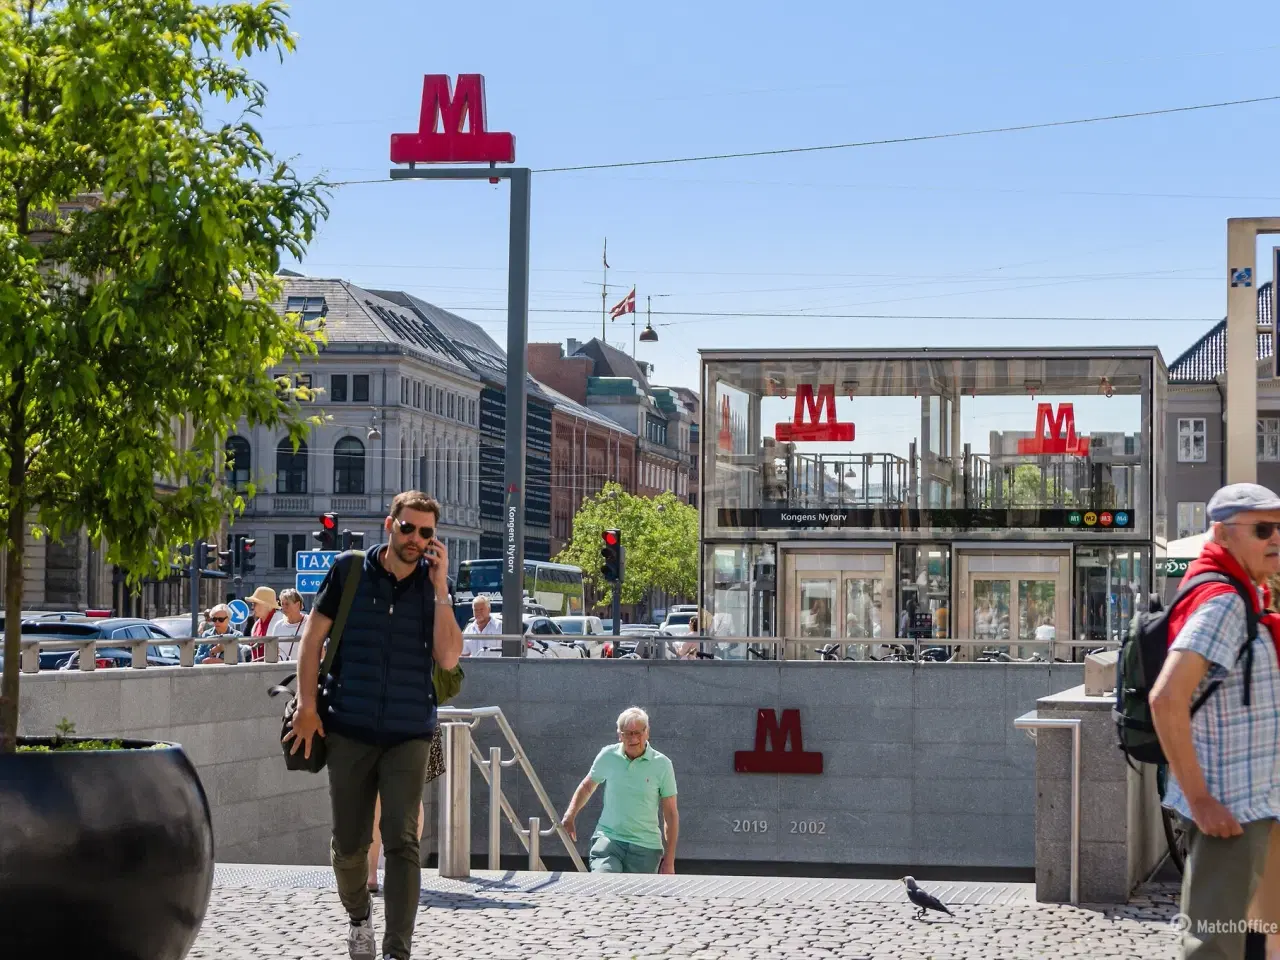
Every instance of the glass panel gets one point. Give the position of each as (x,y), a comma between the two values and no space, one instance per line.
(817,607)
(741,591)
(863,614)
(991,610)
(924,591)
(1037,600)
(1110,584)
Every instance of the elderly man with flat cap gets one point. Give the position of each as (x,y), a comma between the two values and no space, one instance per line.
(1224,761)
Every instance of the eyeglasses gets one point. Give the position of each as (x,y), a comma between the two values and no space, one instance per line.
(407,528)
(1263,530)
(633,733)
(218,619)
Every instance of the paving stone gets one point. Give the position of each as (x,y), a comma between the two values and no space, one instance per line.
(306,923)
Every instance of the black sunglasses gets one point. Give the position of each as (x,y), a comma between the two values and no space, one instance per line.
(1262,530)
(407,528)
(218,619)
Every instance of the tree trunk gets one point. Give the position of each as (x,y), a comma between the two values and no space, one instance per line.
(14,574)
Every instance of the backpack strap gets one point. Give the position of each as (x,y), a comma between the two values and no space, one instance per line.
(349,586)
(1251,627)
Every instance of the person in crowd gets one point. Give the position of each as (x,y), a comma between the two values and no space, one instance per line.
(1224,763)
(219,632)
(482,624)
(264,610)
(381,712)
(640,787)
(288,626)
(688,650)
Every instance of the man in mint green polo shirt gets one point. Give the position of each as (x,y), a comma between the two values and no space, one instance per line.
(639,782)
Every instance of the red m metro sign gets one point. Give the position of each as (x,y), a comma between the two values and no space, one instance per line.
(1049,436)
(814,406)
(451,143)
(771,754)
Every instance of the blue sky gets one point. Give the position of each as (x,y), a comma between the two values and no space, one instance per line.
(1111,220)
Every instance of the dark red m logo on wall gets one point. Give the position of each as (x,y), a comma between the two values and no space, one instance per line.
(771,754)
(451,143)
(1055,434)
(815,416)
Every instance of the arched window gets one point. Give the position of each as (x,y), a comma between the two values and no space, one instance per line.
(238,462)
(291,467)
(348,466)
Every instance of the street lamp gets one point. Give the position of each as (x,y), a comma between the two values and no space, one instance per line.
(648,334)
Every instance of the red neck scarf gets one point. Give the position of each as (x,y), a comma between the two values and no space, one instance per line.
(1215,558)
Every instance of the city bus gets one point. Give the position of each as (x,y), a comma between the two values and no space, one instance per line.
(556,587)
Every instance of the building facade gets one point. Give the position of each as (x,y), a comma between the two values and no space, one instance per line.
(1194,422)
(400,410)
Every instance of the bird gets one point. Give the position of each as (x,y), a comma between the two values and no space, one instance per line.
(924,901)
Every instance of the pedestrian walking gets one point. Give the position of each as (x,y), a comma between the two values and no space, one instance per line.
(265,611)
(381,711)
(1224,761)
(482,624)
(289,625)
(639,786)
(219,632)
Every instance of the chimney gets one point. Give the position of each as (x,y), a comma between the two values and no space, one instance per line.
(572,346)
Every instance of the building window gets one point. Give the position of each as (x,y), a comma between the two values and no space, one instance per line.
(238,462)
(1190,519)
(1268,438)
(1192,440)
(417,395)
(338,388)
(655,430)
(280,551)
(404,392)
(299,544)
(451,406)
(311,308)
(291,467)
(348,466)
(360,388)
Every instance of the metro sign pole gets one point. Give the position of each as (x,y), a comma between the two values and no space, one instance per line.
(442,139)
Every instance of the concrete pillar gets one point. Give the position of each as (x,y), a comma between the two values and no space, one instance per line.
(1242,357)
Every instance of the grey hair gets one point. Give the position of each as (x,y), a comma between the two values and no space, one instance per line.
(631,714)
(481,601)
(288,593)
(219,608)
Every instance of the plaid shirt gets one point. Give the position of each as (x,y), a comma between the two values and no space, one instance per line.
(1238,747)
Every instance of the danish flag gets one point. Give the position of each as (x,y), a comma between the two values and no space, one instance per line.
(626,305)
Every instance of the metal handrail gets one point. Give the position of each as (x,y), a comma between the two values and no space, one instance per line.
(31,647)
(1032,722)
(785,648)
(491,771)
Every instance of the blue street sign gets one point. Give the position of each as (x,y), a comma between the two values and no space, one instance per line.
(308,582)
(311,560)
(239,611)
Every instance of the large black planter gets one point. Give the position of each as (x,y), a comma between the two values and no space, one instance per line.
(103,854)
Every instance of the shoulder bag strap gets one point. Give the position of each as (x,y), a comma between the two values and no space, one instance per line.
(349,586)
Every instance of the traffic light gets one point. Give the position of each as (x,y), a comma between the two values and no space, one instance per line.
(328,532)
(248,556)
(352,540)
(612,552)
(225,561)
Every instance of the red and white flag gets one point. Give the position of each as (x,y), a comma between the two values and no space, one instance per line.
(626,305)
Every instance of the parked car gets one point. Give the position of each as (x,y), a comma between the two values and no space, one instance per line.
(590,629)
(677,624)
(159,654)
(683,608)
(543,639)
(174,626)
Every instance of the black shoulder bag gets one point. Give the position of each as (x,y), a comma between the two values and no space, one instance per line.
(315,763)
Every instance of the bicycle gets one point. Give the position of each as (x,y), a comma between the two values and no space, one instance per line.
(1175,834)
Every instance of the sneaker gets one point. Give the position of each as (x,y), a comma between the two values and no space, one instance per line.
(362,942)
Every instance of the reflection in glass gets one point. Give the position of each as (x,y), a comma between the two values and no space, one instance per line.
(1110,584)
(991,610)
(924,591)
(817,600)
(1036,599)
(862,610)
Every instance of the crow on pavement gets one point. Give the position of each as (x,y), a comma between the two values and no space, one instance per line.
(923,901)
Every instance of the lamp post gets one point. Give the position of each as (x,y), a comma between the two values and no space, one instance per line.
(376,434)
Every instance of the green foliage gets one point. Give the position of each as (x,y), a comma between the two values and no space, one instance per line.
(659,537)
(64,730)
(139,240)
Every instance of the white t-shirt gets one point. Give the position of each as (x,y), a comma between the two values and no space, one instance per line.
(472,645)
(281,627)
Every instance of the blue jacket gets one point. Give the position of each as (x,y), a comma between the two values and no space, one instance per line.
(379,689)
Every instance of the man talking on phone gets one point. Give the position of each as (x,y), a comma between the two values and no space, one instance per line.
(381,711)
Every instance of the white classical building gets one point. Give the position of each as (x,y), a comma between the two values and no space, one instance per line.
(400,410)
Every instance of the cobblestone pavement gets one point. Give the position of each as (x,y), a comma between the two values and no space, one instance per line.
(528,921)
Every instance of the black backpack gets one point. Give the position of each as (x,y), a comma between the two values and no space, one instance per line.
(1142,657)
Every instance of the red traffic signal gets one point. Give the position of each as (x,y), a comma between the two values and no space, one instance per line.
(611,537)
(330,521)
(611,556)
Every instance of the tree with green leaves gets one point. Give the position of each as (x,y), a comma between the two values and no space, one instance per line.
(659,539)
(139,241)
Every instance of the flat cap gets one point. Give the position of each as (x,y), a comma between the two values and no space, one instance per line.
(1241,498)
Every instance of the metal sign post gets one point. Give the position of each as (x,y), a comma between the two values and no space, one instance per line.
(441,138)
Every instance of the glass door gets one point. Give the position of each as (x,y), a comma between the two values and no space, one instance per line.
(840,596)
(1009,598)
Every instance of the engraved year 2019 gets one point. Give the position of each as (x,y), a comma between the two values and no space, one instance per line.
(750,826)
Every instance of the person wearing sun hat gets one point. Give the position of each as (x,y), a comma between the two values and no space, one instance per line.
(264,608)
(1224,759)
